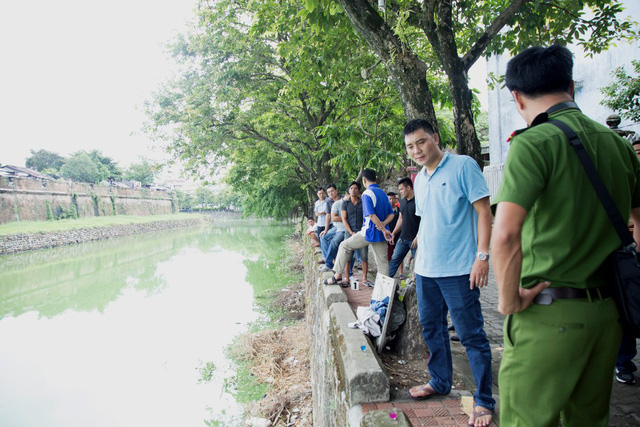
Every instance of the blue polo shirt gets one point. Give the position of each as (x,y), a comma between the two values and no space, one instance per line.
(374,201)
(448,233)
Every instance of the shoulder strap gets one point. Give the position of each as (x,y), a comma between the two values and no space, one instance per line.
(605,198)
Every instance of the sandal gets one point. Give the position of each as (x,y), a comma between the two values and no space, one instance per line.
(345,284)
(478,414)
(331,281)
(368,284)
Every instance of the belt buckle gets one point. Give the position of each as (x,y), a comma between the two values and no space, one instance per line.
(543,299)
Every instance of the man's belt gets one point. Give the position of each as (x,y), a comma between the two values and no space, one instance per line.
(547,296)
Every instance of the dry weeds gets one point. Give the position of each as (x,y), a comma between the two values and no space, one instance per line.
(281,357)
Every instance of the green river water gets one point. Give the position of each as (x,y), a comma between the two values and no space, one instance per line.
(115,333)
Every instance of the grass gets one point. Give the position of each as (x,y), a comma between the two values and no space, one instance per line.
(33,227)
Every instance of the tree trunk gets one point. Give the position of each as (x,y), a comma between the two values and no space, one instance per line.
(408,72)
(466,136)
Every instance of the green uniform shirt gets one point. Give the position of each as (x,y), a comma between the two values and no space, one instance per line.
(566,234)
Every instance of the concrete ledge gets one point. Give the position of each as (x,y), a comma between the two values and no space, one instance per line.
(332,294)
(364,380)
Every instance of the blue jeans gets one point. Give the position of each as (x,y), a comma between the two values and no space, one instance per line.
(326,240)
(402,247)
(338,237)
(627,352)
(434,296)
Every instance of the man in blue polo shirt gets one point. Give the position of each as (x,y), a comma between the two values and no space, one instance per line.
(452,263)
(377,214)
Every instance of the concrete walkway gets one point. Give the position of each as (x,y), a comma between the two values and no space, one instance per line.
(452,410)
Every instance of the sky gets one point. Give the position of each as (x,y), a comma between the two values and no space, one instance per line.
(74,74)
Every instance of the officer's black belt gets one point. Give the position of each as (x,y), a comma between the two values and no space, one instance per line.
(547,296)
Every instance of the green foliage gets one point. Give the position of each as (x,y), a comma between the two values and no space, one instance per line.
(185,200)
(113,205)
(107,167)
(49,210)
(278,104)
(81,168)
(622,95)
(591,24)
(45,161)
(95,201)
(228,199)
(204,196)
(447,37)
(206,372)
(175,207)
(92,167)
(141,172)
(70,213)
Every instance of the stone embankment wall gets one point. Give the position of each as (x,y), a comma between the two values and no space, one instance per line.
(343,376)
(23,199)
(25,242)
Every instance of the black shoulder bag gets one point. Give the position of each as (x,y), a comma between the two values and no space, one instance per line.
(622,264)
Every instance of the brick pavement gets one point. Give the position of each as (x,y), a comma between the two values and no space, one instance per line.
(453,409)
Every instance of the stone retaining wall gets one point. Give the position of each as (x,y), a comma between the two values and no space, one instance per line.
(23,199)
(26,242)
(343,376)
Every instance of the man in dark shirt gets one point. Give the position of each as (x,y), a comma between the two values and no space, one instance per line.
(407,226)
(352,219)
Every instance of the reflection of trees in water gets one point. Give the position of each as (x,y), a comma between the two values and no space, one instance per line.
(89,276)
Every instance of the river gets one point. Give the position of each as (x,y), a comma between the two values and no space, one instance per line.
(118,332)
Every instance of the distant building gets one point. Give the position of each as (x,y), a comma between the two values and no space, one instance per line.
(21,172)
(132,184)
(179,184)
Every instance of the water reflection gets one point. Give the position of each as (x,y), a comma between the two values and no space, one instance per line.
(112,333)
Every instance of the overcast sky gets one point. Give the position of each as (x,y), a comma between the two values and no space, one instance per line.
(75,73)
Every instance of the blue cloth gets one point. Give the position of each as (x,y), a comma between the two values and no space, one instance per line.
(434,296)
(448,233)
(374,201)
(380,307)
(401,249)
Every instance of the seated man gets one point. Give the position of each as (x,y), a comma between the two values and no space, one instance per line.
(329,232)
(332,241)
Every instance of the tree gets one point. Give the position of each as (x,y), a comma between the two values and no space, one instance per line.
(228,199)
(43,159)
(81,168)
(412,37)
(623,93)
(204,196)
(107,167)
(142,172)
(185,200)
(261,84)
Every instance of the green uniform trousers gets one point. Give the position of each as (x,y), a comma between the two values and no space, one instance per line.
(558,361)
